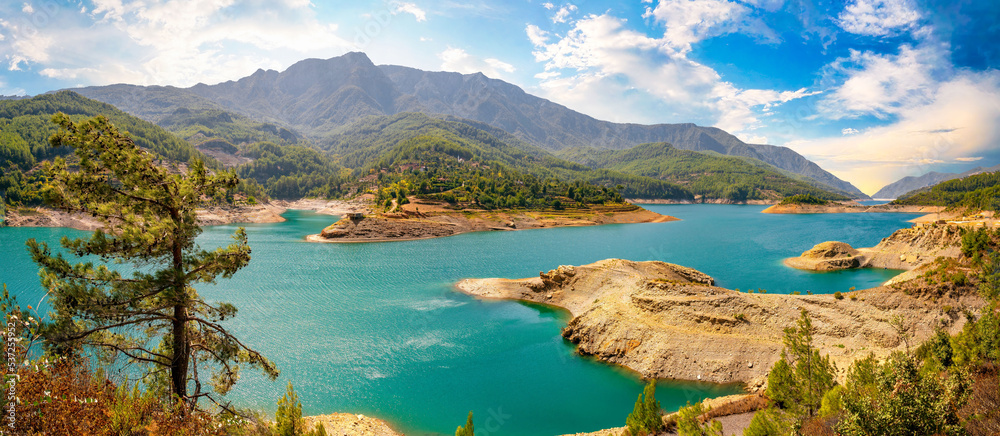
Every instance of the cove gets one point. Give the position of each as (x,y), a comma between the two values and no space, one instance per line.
(378,329)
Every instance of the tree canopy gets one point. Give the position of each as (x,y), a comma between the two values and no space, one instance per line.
(154,318)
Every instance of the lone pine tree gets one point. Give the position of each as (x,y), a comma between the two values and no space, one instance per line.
(154,317)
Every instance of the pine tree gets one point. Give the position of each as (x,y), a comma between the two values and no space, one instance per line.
(154,318)
(801,377)
(288,417)
(645,417)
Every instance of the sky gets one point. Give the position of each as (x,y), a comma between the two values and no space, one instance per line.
(871,90)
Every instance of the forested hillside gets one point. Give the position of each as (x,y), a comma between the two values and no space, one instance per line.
(26,124)
(981,191)
(707,174)
(378,143)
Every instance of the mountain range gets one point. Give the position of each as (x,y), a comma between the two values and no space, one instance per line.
(901,187)
(318,98)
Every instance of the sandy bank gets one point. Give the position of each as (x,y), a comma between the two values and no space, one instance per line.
(348,424)
(850,208)
(668,321)
(433,221)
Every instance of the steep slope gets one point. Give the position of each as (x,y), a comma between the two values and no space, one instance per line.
(909,184)
(315,97)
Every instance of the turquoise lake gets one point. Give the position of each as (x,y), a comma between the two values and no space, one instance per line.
(378,329)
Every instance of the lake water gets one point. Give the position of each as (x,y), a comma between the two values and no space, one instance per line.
(378,329)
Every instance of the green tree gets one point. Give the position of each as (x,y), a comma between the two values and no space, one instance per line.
(645,417)
(154,318)
(801,377)
(468,430)
(288,417)
(689,425)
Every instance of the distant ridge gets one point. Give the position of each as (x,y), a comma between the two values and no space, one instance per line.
(316,97)
(909,184)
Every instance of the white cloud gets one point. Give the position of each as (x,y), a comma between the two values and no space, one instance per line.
(691,21)
(969,159)
(959,118)
(175,42)
(619,74)
(412,9)
(27,8)
(456,59)
(752,139)
(548,6)
(884,84)
(878,17)
(562,15)
(849,131)
(536,35)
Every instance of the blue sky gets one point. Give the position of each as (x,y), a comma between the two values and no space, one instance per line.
(872,90)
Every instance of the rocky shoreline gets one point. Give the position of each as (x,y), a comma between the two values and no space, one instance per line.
(411,224)
(668,321)
(213,215)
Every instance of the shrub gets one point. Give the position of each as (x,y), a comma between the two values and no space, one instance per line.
(838,295)
(688,422)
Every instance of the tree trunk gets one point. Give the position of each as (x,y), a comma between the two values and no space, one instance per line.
(181,344)
(179,365)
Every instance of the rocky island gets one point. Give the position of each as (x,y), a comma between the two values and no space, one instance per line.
(668,321)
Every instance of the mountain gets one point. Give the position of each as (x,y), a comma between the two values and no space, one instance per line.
(316,97)
(909,184)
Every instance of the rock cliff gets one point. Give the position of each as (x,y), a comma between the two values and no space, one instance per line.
(668,321)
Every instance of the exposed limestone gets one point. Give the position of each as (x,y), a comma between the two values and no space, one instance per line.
(668,321)
(905,249)
(912,247)
(347,424)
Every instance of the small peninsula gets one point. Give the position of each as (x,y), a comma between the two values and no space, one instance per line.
(667,321)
